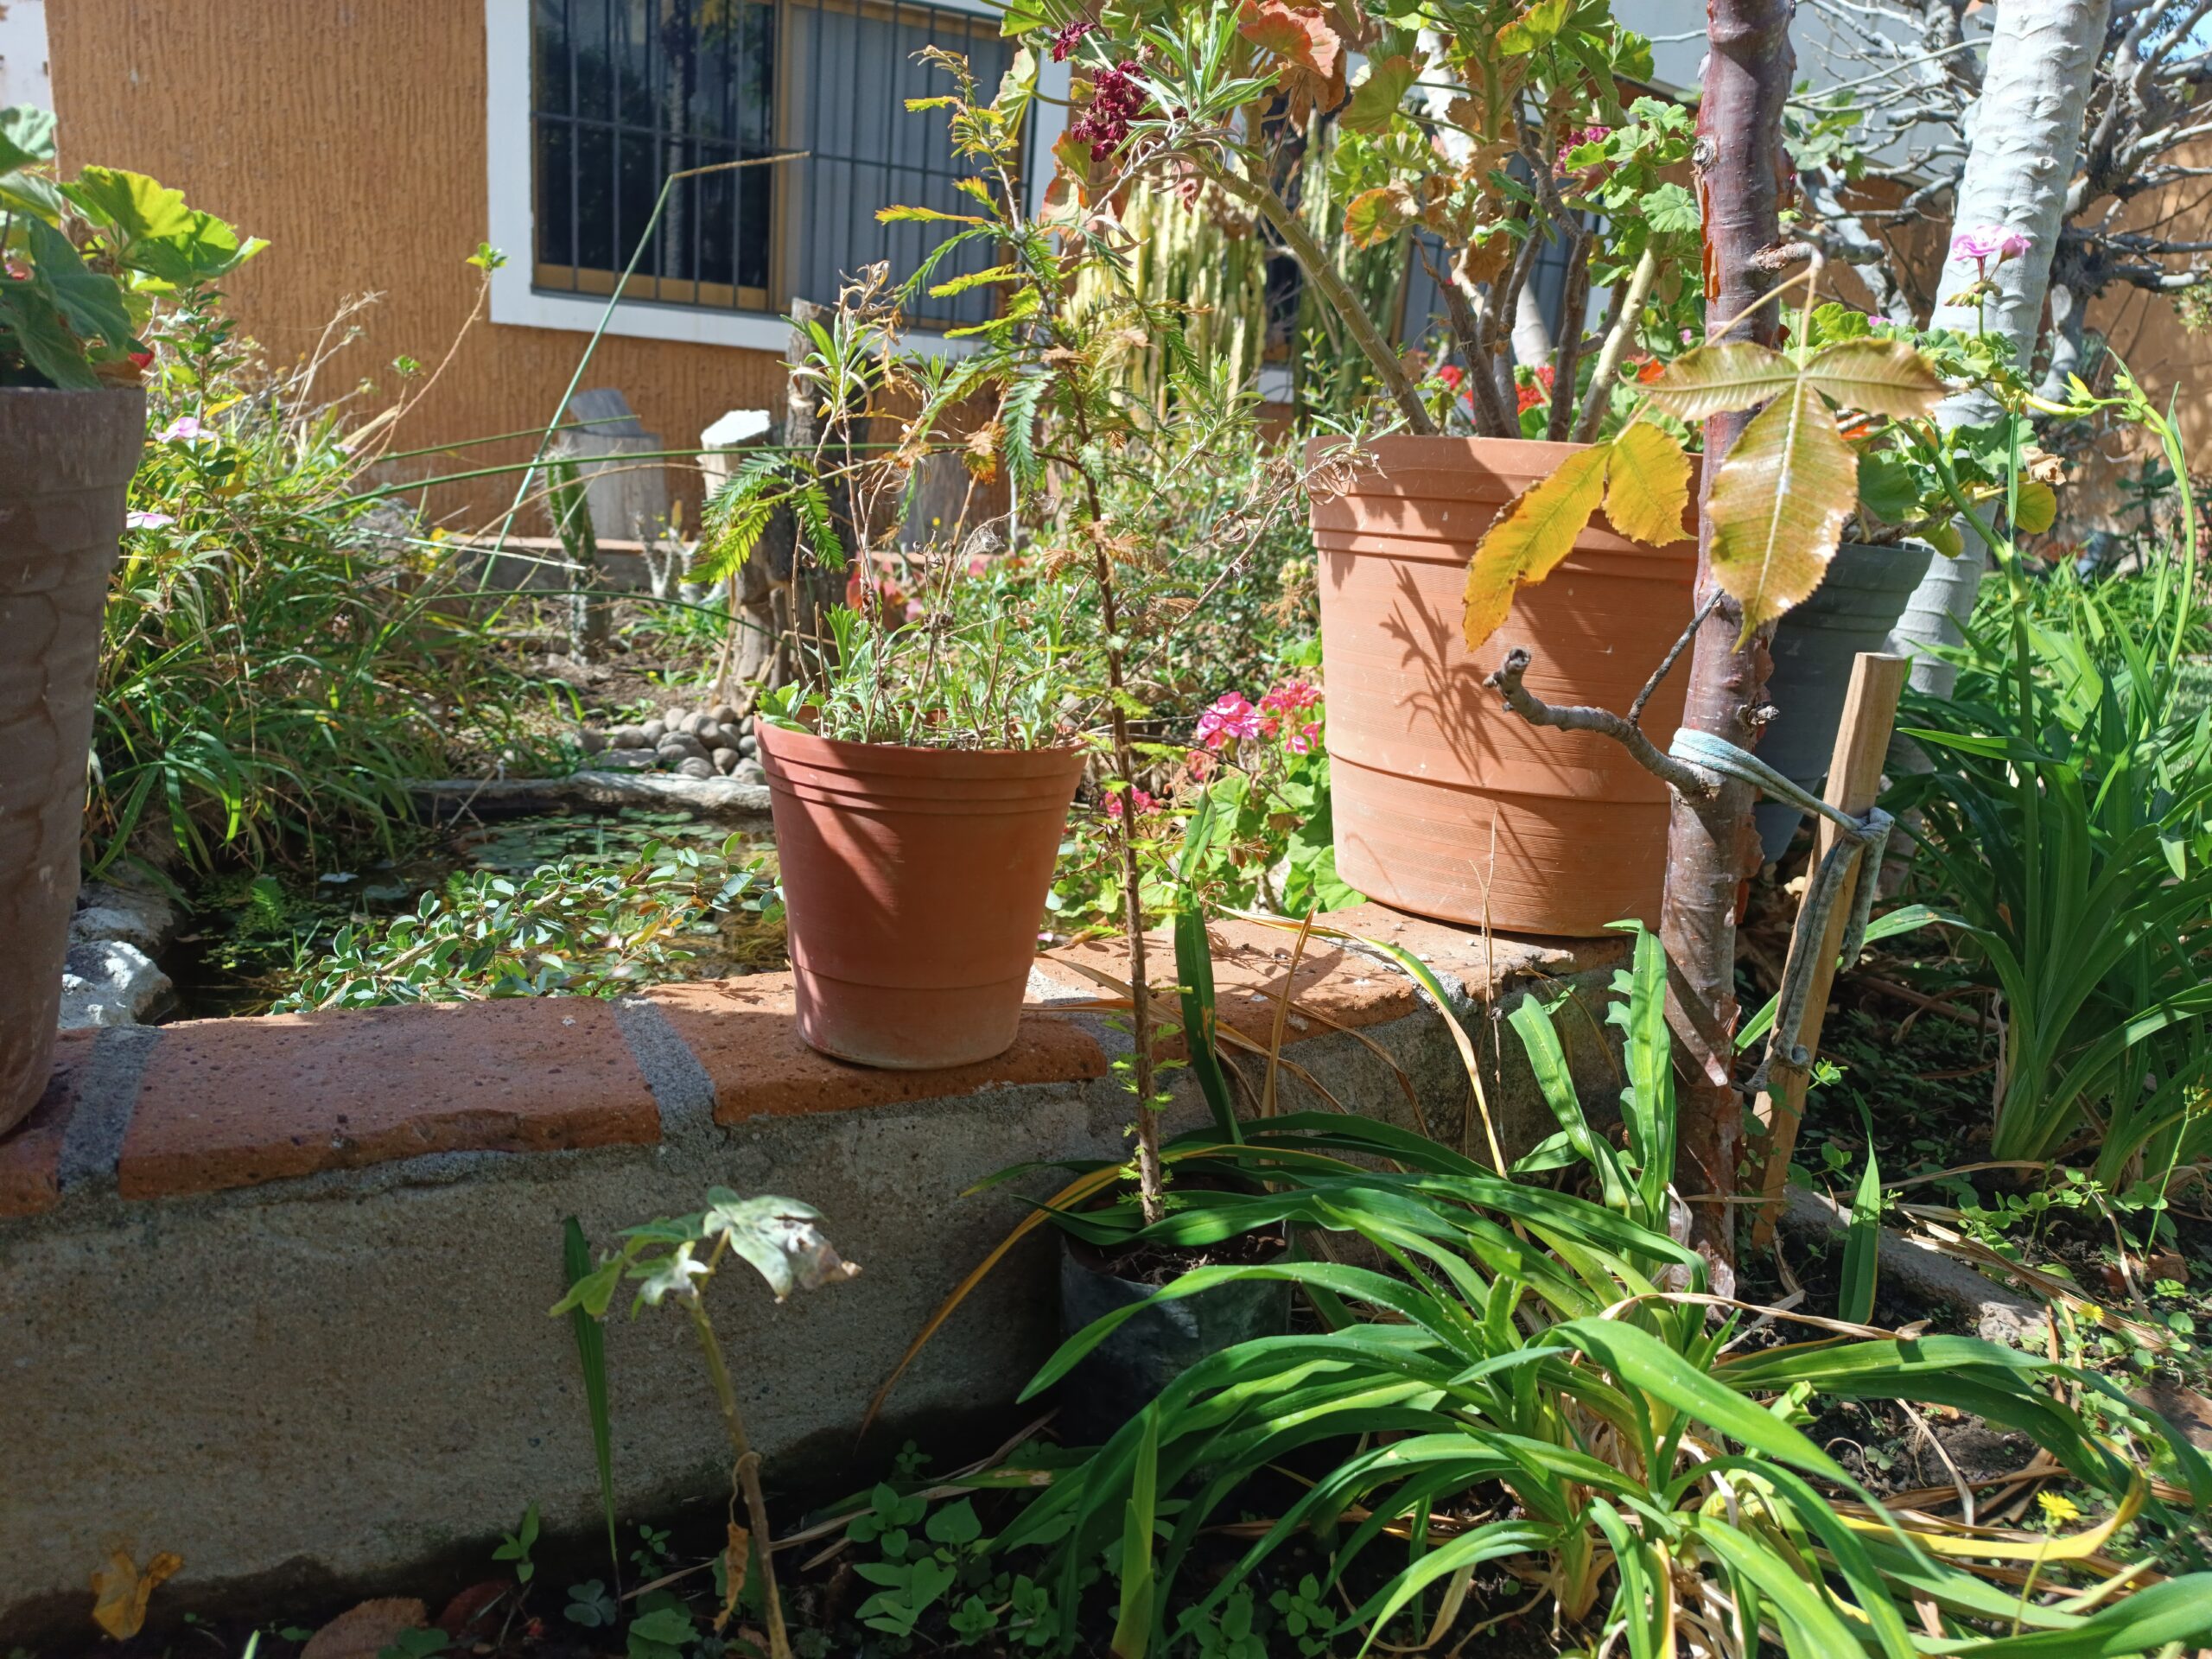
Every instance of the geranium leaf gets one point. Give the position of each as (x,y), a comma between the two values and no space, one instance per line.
(1534,530)
(1778,504)
(1882,377)
(1375,101)
(1647,486)
(1713,380)
(1377,215)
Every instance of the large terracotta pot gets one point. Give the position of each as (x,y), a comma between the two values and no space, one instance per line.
(66,461)
(1447,804)
(915,881)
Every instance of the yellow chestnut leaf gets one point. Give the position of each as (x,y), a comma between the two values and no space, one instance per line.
(1533,531)
(1777,506)
(1647,486)
(1881,377)
(1710,380)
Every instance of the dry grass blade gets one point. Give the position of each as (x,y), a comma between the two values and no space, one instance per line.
(1282,1017)
(1075,1192)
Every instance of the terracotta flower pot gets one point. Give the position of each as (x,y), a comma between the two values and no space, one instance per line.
(915,881)
(1447,804)
(66,461)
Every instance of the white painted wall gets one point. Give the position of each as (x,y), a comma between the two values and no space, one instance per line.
(24,76)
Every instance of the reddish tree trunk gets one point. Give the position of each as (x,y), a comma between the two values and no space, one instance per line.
(1743,176)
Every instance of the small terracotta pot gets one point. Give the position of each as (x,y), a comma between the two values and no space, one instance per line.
(66,461)
(1445,803)
(914,880)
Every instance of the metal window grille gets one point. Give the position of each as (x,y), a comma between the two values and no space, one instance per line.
(624,92)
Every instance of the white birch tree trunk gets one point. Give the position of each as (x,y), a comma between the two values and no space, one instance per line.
(2026,138)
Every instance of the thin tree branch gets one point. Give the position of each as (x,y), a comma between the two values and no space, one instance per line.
(1582,717)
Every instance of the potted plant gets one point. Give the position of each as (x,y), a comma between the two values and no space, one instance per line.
(921,764)
(82,262)
(1480,142)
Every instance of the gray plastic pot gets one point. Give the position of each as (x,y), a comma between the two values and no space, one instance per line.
(66,461)
(1853,610)
(1122,1375)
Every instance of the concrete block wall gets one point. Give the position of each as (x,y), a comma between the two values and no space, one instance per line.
(273,1292)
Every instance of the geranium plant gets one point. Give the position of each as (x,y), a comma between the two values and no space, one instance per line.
(83,260)
(1477,136)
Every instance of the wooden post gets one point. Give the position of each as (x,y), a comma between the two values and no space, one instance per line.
(1869,710)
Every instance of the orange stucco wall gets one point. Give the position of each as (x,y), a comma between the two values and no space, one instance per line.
(351,135)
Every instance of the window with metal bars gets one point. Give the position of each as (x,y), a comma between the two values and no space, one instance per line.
(625,92)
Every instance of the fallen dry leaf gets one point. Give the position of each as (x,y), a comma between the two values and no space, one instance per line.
(120,1590)
(469,1606)
(737,1560)
(362,1632)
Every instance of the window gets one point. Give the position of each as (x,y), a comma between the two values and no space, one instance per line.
(624,92)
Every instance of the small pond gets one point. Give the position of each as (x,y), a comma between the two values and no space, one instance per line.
(574,887)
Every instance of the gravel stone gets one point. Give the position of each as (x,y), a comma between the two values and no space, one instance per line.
(682,745)
(628,737)
(717,737)
(724,716)
(694,767)
(749,771)
(589,741)
(638,758)
(748,745)
(107,982)
(653,732)
(726,761)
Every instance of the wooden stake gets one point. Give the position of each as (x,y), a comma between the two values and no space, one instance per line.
(1870,709)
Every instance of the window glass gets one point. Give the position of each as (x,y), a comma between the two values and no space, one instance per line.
(626,92)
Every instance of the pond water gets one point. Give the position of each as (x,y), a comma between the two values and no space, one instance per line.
(252,940)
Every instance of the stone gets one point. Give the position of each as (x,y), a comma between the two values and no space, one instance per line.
(682,745)
(746,724)
(748,744)
(107,982)
(717,737)
(674,716)
(693,766)
(590,742)
(652,731)
(107,911)
(724,716)
(637,759)
(726,761)
(749,771)
(628,737)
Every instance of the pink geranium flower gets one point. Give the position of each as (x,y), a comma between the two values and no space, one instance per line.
(1302,741)
(1291,697)
(1117,803)
(1199,764)
(1231,716)
(1985,243)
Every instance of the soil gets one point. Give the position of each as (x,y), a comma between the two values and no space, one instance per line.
(1162,1264)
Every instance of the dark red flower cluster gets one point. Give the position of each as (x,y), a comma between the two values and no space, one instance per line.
(1116,98)
(1063,42)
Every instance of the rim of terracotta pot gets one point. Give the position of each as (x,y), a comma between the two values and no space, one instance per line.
(809,747)
(973,783)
